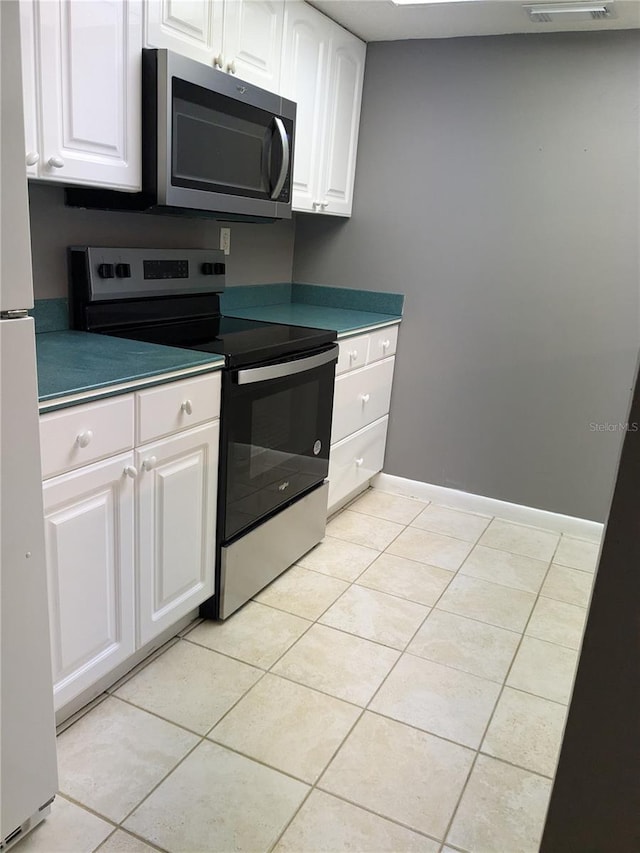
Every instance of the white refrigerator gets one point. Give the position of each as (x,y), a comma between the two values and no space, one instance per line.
(28,771)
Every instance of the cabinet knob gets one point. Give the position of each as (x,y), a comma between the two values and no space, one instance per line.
(324,204)
(315,204)
(187,407)
(150,463)
(32,158)
(84,438)
(231,66)
(130,471)
(365,398)
(218,61)
(386,344)
(359,462)
(55,162)
(353,355)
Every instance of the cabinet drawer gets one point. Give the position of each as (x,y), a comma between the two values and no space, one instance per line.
(83,434)
(361,397)
(353,353)
(177,406)
(382,343)
(354,461)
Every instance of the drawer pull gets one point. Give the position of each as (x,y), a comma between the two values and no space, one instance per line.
(360,462)
(55,162)
(130,471)
(84,438)
(150,463)
(187,407)
(365,398)
(386,344)
(353,355)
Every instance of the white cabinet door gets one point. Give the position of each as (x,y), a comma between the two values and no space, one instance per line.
(89,546)
(323,71)
(355,460)
(89,74)
(342,121)
(29,86)
(176,527)
(252,43)
(304,74)
(191,28)
(361,397)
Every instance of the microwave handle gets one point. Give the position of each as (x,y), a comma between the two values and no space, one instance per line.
(287,368)
(286,157)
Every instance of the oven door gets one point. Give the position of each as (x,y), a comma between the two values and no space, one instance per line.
(276,435)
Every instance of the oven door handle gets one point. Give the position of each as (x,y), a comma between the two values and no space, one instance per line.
(286,157)
(287,368)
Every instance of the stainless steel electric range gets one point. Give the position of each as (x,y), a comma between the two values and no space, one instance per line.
(277,399)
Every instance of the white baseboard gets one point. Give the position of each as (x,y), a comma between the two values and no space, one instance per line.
(581,528)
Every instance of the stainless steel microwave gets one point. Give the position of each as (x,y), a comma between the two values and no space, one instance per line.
(212,145)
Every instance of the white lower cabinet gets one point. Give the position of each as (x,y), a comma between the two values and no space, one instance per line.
(175,527)
(356,459)
(362,398)
(90,570)
(130,531)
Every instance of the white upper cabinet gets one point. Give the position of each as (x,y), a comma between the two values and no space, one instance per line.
(304,73)
(323,71)
(29,87)
(342,121)
(192,28)
(253,41)
(241,37)
(87,58)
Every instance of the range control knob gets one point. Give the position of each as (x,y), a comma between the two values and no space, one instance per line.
(123,270)
(206,268)
(106,270)
(219,269)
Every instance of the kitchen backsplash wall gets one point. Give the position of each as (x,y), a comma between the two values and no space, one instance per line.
(260,253)
(497,187)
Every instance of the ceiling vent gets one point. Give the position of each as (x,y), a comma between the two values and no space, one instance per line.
(561,13)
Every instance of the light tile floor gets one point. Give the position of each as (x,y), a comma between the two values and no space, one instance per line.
(403,688)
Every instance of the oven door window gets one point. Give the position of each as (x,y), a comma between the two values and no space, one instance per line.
(223,145)
(277,443)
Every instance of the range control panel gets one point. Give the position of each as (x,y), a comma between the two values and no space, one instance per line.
(114,274)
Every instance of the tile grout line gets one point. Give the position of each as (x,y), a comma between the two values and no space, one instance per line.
(498,698)
(356,721)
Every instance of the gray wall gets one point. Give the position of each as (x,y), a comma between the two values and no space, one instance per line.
(497,187)
(260,254)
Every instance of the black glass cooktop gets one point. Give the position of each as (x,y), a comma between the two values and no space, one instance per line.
(242,342)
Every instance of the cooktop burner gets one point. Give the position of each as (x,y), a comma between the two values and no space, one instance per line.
(172,297)
(242,342)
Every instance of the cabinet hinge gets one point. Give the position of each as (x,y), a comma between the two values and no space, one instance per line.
(14,314)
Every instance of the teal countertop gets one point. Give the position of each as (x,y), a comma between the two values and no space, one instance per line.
(76,367)
(344,309)
(344,320)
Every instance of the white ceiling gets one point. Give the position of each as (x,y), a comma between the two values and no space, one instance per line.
(382,20)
